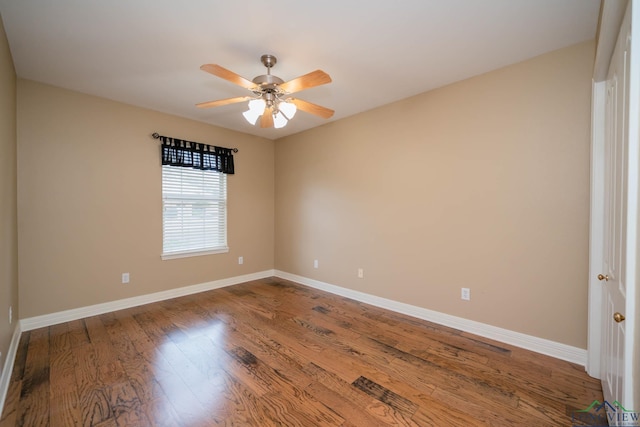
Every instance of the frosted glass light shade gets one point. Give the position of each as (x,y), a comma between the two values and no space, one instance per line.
(256,108)
(257,105)
(251,116)
(279,121)
(288,109)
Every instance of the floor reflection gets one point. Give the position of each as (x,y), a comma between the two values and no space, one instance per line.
(192,373)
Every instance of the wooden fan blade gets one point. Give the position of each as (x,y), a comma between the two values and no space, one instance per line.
(314,78)
(221,102)
(223,73)
(266,121)
(311,108)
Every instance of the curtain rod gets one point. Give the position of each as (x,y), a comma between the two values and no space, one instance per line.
(156,135)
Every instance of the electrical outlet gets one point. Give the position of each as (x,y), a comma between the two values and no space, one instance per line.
(10,314)
(315,263)
(125,277)
(240,260)
(465,294)
(360,273)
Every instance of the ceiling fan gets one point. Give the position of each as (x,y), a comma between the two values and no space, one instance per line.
(271,100)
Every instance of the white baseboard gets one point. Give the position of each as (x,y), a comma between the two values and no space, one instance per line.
(36,322)
(529,342)
(5,377)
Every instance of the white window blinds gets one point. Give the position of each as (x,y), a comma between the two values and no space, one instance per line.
(194,211)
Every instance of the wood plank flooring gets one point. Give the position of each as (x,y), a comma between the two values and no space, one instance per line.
(274,353)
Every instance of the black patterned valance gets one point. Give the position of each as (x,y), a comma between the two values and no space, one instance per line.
(178,152)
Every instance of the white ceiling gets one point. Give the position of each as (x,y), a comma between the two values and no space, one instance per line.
(148,52)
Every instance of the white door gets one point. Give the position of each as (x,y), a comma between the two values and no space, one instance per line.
(620,223)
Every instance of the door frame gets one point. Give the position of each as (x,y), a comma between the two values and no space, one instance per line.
(596,230)
(610,20)
(611,14)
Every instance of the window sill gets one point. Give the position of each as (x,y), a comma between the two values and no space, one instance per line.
(188,254)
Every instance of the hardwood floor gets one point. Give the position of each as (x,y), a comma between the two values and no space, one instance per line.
(274,353)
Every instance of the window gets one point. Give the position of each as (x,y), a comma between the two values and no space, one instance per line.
(194,212)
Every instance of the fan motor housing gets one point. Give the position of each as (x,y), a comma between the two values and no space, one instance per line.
(267,79)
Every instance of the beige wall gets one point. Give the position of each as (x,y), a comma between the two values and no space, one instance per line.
(8,201)
(481,184)
(89,201)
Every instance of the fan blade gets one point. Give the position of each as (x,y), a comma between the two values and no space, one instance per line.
(311,108)
(314,78)
(223,73)
(266,121)
(221,102)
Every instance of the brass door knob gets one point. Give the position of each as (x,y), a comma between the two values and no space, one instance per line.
(618,317)
(602,277)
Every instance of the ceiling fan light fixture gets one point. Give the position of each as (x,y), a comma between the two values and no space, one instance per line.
(279,120)
(288,109)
